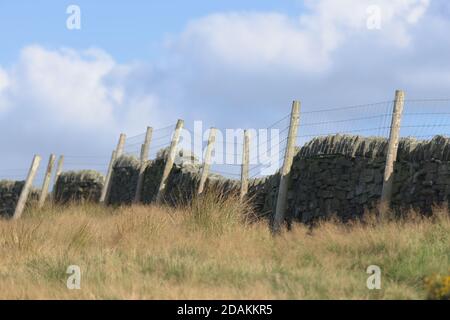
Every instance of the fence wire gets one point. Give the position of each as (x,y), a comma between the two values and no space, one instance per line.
(424,119)
(161,138)
(77,163)
(227,155)
(364,120)
(421,119)
(265,147)
(268,148)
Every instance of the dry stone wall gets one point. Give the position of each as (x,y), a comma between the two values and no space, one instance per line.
(81,186)
(339,174)
(421,185)
(343,175)
(182,183)
(326,185)
(184,179)
(124,180)
(262,194)
(9,196)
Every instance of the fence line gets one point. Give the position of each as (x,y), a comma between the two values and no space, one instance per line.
(422,118)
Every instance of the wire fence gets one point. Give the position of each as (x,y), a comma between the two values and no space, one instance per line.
(365,120)
(268,147)
(227,155)
(77,163)
(421,119)
(265,146)
(424,119)
(161,138)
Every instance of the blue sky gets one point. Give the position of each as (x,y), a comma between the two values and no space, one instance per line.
(232,64)
(128,30)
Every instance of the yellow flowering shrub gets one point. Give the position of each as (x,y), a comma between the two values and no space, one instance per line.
(438,287)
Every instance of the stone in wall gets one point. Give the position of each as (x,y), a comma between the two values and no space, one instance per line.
(345,145)
(437,148)
(78,186)
(155,168)
(343,175)
(124,180)
(152,178)
(184,178)
(262,194)
(9,196)
(421,185)
(338,174)
(334,185)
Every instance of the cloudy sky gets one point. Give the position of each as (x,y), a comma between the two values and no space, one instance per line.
(229,63)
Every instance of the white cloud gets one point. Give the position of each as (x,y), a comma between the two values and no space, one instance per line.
(64,85)
(89,89)
(234,69)
(251,62)
(334,21)
(251,41)
(75,89)
(4,83)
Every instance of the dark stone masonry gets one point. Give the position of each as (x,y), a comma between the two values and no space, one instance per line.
(9,196)
(343,175)
(335,175)
(81,186)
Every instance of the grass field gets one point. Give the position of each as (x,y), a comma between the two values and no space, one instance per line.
(205,251)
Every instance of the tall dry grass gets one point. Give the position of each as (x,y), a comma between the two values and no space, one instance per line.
(208,250)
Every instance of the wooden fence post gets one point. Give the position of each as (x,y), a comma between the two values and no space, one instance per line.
(116,154)
(144,157)
(121,145)
(280,212)
(26,188)
(170,160)
(105,189)
(207,160)
(46,183)
(59,168)
(245,164)
(391,157)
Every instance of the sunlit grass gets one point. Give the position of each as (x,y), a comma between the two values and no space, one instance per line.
(208,250)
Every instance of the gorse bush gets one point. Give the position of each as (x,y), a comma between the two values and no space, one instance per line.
(438,287)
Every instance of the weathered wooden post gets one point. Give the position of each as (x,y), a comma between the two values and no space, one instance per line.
(391,157)
(245,164)
(46,183)
(207,160)
(26,188)
(105,188)
(280,212)
(121,144)
(59,168)
(116,154)
(170,160)
(144,157)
